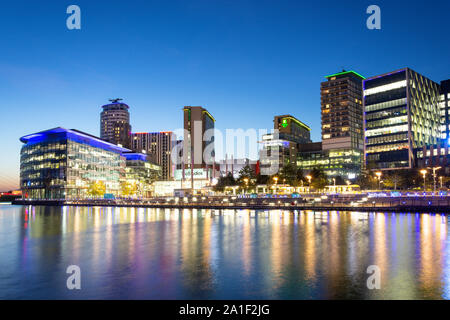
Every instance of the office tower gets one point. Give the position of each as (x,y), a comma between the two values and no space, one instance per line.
(342,112)
(340,154)
(115,123)
(401,114)
(64,164)
(198,145)
(438,155)
(444,106)
(158,145)
(281,147)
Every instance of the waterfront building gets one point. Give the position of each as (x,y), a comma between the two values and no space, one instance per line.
(342,111)
(401,114)
(444,107)
(438,155)
(159,146)
(344,163)
(341,151)
(115,123)
(180,188)
(198,145)
(140,173)
(281,147)
(67,164)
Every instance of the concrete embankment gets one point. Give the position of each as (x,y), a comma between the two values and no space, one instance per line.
(429,204)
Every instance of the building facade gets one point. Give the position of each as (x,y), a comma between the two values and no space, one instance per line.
(444,107)
(69,164)
(140,174)
(344,163)
(115,123)
(159,147)
(342,111)
(198,151)
(401,114)
(341,149)
(280,148)
(438,155)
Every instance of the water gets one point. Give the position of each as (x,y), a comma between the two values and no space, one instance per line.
(135,253)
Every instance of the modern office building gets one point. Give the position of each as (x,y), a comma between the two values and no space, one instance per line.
(291,129)
(159,146)
(344,163)
(438,155)
(401,115)
(115,123)
(444,106)
(281,147)
(140,173)
(198,143)
(65,164)
(342,111)
(341,149)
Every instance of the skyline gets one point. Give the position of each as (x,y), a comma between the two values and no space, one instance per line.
(236,63)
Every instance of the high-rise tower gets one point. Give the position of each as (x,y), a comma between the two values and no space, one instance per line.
(115,123)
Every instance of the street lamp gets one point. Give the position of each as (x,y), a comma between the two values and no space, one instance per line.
(246,184)
(424,173)
(276,180)
(309,178)
(378,174)
(434,177)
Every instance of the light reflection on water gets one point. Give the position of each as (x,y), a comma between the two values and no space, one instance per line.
(142,253)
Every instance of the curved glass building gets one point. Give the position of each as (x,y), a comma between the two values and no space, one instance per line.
(69,164)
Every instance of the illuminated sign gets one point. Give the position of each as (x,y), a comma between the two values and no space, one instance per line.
(198,174)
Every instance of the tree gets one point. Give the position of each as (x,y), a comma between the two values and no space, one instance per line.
(97,188)
(339,180)
(300,176)
(128,189)
(262,179)
(393,179)
(225,181)
(288,174)
(319,180)
(247,177)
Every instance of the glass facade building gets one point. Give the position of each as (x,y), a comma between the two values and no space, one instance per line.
(444,107)
(401,114)
(344,163)
(140,173)
(65,164)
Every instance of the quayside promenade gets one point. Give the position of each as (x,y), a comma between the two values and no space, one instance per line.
(416,202)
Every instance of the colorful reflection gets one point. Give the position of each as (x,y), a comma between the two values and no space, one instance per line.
(212,254)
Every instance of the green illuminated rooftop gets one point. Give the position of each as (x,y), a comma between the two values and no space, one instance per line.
(344,73)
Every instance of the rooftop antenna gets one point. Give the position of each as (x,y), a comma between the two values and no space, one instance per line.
(115,100)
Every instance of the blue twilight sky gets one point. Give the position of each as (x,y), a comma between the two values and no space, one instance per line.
(243,60)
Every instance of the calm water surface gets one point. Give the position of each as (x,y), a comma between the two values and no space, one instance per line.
(128,253)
